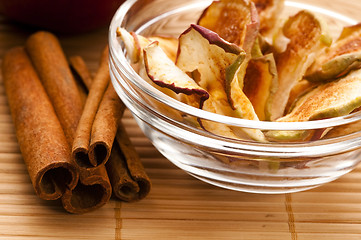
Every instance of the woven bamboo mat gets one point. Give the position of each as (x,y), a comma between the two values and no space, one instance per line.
(179,206)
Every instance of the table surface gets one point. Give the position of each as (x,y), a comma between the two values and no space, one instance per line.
(178,206)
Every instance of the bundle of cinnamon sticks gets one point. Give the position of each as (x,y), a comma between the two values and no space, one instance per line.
(69,129)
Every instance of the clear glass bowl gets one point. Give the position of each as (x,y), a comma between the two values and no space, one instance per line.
(238,164)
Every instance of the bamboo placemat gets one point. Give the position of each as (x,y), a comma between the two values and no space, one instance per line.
(179,206)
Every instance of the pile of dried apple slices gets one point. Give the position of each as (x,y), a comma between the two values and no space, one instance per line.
(225,63)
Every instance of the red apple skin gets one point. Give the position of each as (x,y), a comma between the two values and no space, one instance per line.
(61,16)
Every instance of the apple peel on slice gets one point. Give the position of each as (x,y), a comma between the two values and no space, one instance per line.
(214,60)
(241,105)
(204,55)
(163,72)
(332,99)
(306,36)
(134,44)
(328,100)
(204,51)
(235,21)
(340,58)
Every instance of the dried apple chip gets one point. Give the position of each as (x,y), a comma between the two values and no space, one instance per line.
(168,44)
(332,99)
(205,52)
(240,103)
(205,56)
(340,58)
(343,130)
(236,97)
(301,88)
(349,31)
(133,52)
(219,107)
(269,12)
(134,44)
(251,83)
(236,21)
(306,37)
(163,72)
(328,100)
(260,84)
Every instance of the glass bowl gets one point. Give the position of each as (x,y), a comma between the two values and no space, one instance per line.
(238,164)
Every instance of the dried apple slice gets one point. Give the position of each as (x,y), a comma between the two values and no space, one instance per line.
(301,88)
(163,72)
(241,105)
(260,84)
(306,37)
(168,44)
(269,12)
(130,44)
(234,89)
(343,130)
(236,21)
(205,52)
(349,31)
(134,44)
(220,107)
(205,56)
(338,60)
(333,99)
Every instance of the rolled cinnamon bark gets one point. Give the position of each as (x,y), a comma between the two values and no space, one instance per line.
(105,126)
(127,175)
(81,69)
(126,172)
(51,64)
(41,138)
(92,191)
(80,147)
(124,187)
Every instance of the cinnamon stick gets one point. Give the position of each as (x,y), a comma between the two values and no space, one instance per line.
(76,64)
(126,172)
(105,125)
(106,119)
(51,64)
(81,69)
(41,138)
(80,147)
(93,189)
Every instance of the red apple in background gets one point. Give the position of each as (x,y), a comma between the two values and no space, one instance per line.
(61,16)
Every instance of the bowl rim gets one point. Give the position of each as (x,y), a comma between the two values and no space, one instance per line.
(118,55)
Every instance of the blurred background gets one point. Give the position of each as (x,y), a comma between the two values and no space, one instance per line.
(61,16)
